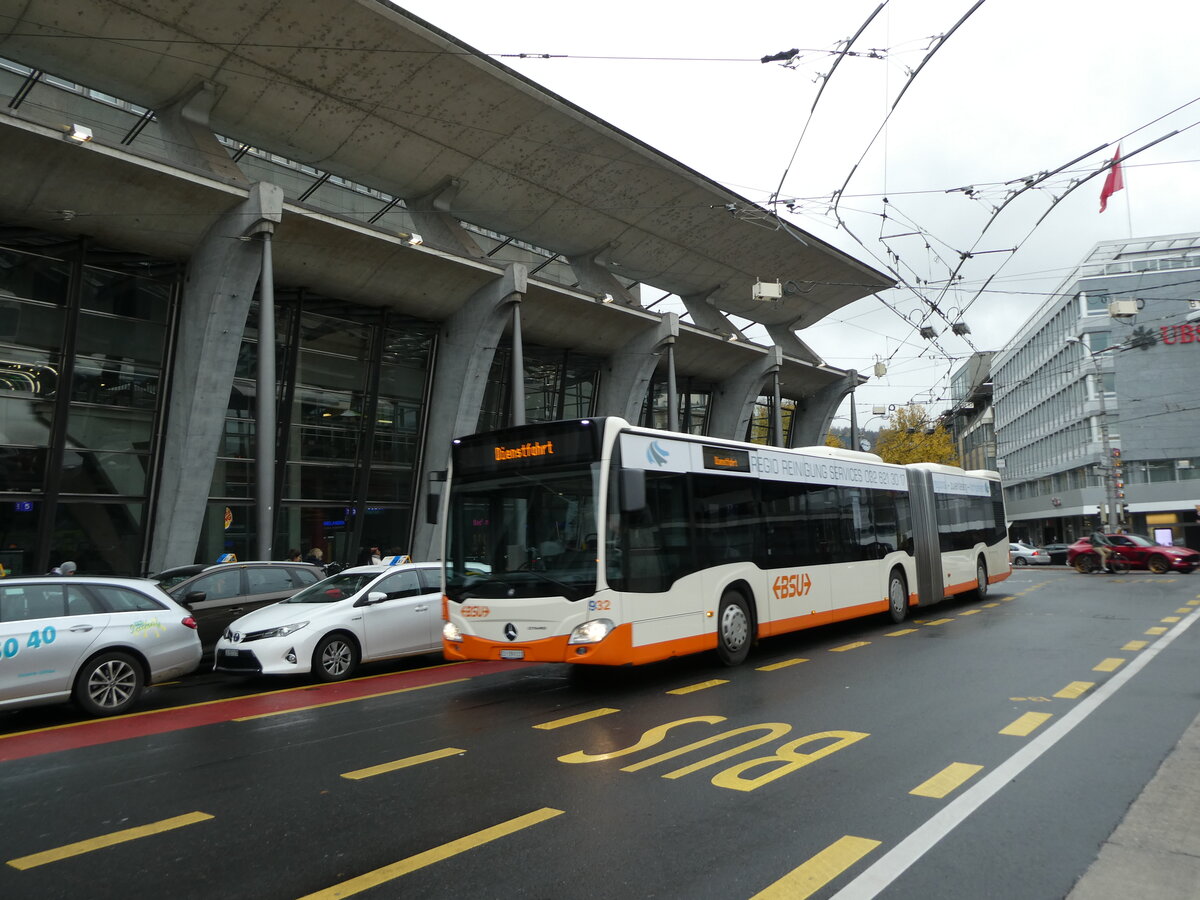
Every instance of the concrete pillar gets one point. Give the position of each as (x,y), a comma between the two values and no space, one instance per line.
(438,227)
(705,315)
(733,400)
(592,270)
(814,413)
(189,141)
(218,288)
(625,376)
(465,349)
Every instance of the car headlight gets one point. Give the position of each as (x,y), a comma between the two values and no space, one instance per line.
(281,631)
(451,633)
(592,632)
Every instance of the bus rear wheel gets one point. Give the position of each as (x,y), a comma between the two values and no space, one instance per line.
(981,579)
(733,629)
(897,597)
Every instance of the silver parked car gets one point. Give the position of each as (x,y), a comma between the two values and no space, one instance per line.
(1024,555)
(98,641)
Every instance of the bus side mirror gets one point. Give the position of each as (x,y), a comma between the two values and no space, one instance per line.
(633,490)
(432,497)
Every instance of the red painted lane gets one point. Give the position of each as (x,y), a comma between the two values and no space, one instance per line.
(91,732)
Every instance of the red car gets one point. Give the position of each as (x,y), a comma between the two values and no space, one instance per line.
(1142,553)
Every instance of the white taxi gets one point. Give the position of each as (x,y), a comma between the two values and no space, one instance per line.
(98,641)
(358,615)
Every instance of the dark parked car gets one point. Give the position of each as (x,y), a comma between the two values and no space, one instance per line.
(1057,553)
(1142,553)
(218,594)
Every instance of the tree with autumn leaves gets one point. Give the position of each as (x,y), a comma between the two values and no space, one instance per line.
(911,436)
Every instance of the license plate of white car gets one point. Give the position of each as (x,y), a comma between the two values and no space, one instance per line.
(512,654)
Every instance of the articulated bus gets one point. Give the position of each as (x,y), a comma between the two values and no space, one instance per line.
(596,542)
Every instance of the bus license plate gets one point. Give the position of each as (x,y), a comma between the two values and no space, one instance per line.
(512,654)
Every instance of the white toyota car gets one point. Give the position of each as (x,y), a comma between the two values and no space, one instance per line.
(358,615)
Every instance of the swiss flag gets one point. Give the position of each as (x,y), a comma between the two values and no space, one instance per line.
(1114,182)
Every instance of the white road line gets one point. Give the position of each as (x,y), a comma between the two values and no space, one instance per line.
(896,861)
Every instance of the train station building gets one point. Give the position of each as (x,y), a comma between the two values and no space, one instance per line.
(338,227)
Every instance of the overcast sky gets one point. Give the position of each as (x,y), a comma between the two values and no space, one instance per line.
(1020,88)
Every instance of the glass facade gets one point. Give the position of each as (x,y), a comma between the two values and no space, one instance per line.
(83,351)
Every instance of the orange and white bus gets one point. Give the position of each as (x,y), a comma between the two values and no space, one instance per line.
(596,542)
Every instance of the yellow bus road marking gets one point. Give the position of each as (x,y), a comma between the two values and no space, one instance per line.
(845,647)
(699,687)
(106,840)
(1030,699)
(1157,629)
(1075,690)
(284,712)
(901,632)
(1136,645)
(1109,665)
(387,873)
(990,605)
(781,665)
(359,774)
(572,720)
(1193,602)
(1184,610)
(950,778)
(1169,619)
(1026,724)
(809,877)
(939,621)
(970,612)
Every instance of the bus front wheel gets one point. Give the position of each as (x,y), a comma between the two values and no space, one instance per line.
(733,629)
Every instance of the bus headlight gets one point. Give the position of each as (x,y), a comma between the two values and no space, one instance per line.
(592,632)
(450,632)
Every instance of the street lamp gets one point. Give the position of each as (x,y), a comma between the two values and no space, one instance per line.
(1106,468)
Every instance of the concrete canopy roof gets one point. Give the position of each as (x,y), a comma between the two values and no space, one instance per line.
(369,92)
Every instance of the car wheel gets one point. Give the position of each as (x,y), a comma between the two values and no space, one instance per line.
(335,657)
(733,629)
(1158,565)
(1020,561)
(108,684)
(897,597)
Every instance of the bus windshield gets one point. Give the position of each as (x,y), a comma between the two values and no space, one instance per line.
(527,534)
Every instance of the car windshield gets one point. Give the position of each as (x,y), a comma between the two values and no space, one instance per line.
(523,535)
(335,588)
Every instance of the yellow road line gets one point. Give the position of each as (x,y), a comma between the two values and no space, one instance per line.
(1157,629)
(572,720)
(1169,619)
(106,840)
(437,854)
(284,712)
(947,780)
(781,665)
(359,774)
(699,687)
(1075,690)
(990,605)
(853,646)
(970,612)
(1184,610)
(809,877)
(1193,603)
(1136,645)
(1026,724)
(901,632)
(1109,665)
(939,621)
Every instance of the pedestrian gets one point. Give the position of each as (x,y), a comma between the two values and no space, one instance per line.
(66,568)
(315,557)
(294,556)
(376,556)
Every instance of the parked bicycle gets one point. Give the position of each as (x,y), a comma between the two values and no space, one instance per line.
(1087,563)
